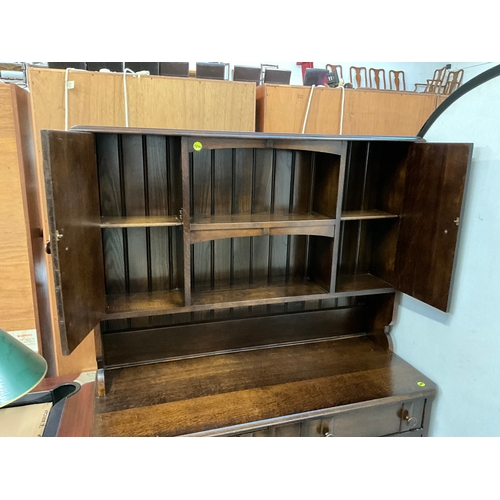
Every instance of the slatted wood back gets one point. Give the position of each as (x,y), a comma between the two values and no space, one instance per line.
(359,76)
(377,78)
(333,67)
(453,81)
(397,80)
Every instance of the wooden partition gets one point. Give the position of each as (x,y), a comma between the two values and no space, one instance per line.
(16,300)
(282,108)
(153,101)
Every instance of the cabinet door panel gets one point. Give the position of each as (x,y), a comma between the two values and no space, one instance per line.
(434,187)
(75,235)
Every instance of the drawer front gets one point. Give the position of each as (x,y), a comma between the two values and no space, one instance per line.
(366,422)
(403,419)
(412,415)
(286,430)
(414,433)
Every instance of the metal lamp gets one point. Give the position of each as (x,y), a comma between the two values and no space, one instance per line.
(21,369)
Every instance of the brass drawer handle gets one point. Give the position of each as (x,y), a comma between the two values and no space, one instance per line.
(411,421)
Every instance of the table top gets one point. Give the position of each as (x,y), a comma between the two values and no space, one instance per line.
(235,391)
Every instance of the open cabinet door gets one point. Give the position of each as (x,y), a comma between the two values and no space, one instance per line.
(75,236)
(434,188)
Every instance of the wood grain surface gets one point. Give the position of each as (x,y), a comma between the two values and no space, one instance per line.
(16,294)
(366,111)
(75,235)
(272,385)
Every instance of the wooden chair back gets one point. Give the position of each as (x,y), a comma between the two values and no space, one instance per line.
(213,71)
(453,81)
(333,67)
(358,75)
(397,79)
(436,84)
(377,78)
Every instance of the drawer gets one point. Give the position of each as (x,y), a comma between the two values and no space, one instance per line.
(412,415)
(286,430)
(372,421)
(365,422)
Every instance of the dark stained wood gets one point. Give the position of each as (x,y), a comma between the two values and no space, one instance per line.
(326,184)
(225,221)
(238,334)
(185,251)
(435,182)
(111,205)
(230,269)
(366,214)
(362,283)
(205,228)
(293,382)
(257,294)
(320,261)
(141,301)
(73,213)
(300,138)
(141,221)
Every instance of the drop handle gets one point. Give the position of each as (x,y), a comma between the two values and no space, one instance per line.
(48,249)
(411,421)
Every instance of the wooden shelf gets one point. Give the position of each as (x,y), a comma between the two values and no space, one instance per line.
(258,293)
(134,304)
(164,302)
(366,215)
(362,284)
(204,228)
(141,221)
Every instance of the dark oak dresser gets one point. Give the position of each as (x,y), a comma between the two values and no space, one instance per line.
(243,284)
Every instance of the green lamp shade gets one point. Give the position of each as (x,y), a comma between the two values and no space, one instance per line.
(21,369)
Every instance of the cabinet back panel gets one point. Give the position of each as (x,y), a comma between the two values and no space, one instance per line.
(241,312)
(326,183)
(375,177)
(225,262)
(138,175)
(247,181)
(141,259)
(204,334)
(369,246)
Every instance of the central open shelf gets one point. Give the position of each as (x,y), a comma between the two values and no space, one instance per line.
(210,227)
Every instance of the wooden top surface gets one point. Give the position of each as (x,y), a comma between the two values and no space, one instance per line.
(238,135)
(264,386)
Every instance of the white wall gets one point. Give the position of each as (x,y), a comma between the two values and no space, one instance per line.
(472,69)
(460,351)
